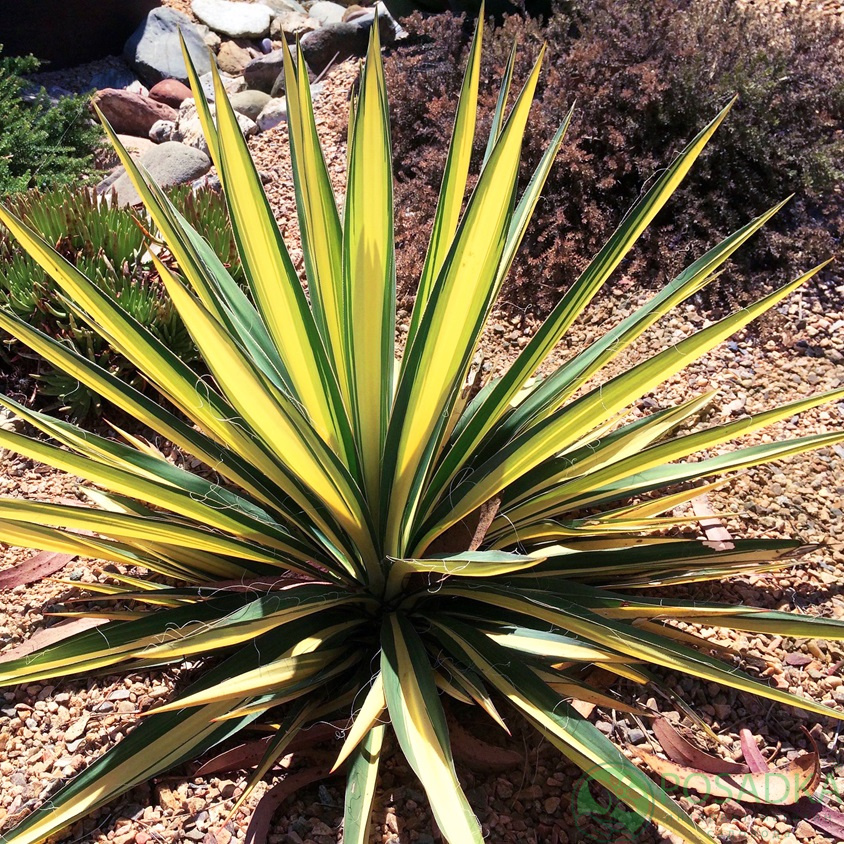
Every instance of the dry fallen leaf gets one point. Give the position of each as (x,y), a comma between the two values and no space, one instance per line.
(822,817)
(683,752)
(35,568)
(780,787)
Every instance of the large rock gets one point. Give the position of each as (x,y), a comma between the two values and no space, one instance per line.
(334,42)
(389,28)
(66,33)
(262,73)
(291,25)
(131,114)
(250,103)
(171,92)
(153,49)
(237,20)
(232,58)
(169,164)
(324,11)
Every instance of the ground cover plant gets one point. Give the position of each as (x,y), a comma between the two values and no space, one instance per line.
(378,535)
(644,77)
(107,243)
(43,142)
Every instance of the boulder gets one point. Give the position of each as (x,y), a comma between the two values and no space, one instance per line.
(250,103)
(131,114)
(170,92)
(273,113)
(389,28)
(153,50)
(261,73)
(189,128)
(334,42)
(232,58)
(324,11)
(169,164)
(236,20)
(291,25)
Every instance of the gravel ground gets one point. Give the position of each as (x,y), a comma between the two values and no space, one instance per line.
(47,733)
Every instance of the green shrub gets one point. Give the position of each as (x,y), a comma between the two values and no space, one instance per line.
(643,75)
(43,142)
(108,244)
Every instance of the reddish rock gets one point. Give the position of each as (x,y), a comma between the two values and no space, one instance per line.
(131,114)
(170,92)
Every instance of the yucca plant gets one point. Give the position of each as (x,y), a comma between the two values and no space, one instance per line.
(371,534)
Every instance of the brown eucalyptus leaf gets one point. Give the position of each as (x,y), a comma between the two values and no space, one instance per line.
(683,752)
(781,787)
(824,818)
(34,568)
(757,763)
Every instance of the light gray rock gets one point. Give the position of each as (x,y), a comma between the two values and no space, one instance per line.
(232,84)
(169,164)
(234,19)
(325,12)
(273,113)
(162,130)
(210,37)
(250,103)
(289,25)
(154,52)
(189,129)
(286,6)
(138,87)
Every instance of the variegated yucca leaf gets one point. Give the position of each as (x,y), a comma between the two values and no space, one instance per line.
(363,536)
